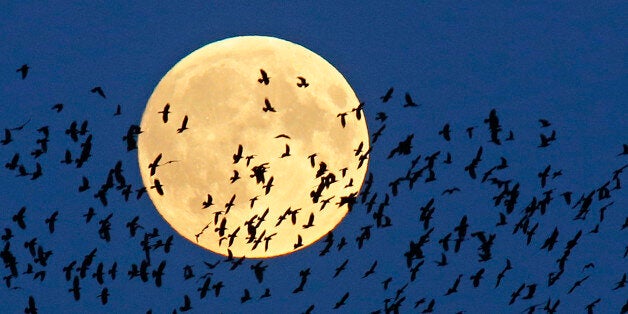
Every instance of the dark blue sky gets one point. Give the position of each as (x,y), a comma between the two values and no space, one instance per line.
(562,62)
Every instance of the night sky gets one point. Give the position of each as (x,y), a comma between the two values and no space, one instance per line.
(465,66)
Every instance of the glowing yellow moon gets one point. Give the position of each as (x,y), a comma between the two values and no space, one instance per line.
(227,100)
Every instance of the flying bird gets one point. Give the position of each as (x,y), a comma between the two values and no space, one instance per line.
(98,90)
(409,101)
(165,112)
(184,125)
(264,79)
(302,82)
(388,95)
(268,106)
(23,70)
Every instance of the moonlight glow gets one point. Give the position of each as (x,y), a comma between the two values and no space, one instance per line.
(227,100)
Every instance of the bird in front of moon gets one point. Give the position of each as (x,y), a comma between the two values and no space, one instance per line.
(253,146)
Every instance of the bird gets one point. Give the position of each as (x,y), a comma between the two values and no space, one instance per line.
(98,90)
(165,112)
(299,242)
(264,79)
(286,153)
(118,110)
(57,107)
(342,301)
(84,185)
(342,116)
(158,187)
(184,125)
(409,102)
(209,201)
(445,132)
(310,222)
(302,82)
(388,95)
(19,218)
(235,176)
(544,123)
(625,150)
(7,137)
(23,70)
(237,156)
(267,106)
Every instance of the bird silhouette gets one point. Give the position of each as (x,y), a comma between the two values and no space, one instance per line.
(267,106)
(184,125)
(165,113)
(409,102)
(264,79)
(98,90)
(302,82)
(388,95)
(23,70)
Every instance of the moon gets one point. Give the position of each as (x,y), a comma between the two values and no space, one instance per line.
(253,146)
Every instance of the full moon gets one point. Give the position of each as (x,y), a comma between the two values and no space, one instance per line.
(253,146)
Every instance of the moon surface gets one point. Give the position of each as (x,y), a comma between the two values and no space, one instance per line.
(304,141)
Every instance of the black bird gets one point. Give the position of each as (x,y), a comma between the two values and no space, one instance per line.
(13,164)
(153,166)
(51,221)
(158,187)
(165,112)
(625,151)
(358,110)
(7,137)
(340,268)
(235,176)
(237,156)
(268,106)
(184,125)
(544,123)
(19,217)
(76,288)
(299,242)
(477,277)
(590,306)
(99,91)
(302,82)
(104,296)
(578,283)
(445,132)
(470,131)
(264,79)
(258,269)
(57,107)
(31,308)
(84,185)
(621,283)
(187,304)
(342,116)
(23,70)
(246,296)
(546,140)
(454,288)
(371,270)
(409,102)
(342,301)
(208,202)
(381,116)
(118,110)
(388,95)
(310,222)
(286,153)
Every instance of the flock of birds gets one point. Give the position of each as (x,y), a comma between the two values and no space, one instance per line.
(28,261)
